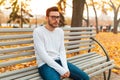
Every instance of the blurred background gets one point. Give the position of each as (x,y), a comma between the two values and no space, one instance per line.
(102,14)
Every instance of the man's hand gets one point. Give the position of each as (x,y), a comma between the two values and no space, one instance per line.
(66,75)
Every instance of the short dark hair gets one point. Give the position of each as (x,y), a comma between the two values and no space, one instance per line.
(54,8)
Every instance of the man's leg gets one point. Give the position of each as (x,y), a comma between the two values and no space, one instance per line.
(48,73)
(76,73)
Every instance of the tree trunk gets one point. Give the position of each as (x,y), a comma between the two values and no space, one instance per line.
(96,19)
(87,14)
(77,14)
(87,20)
(116,22)
(21,22)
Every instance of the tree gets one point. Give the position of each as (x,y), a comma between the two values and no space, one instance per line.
(2,2)
(77,13)
(61,6)
(20,12)
(93,4)
(115,5)
(87,20)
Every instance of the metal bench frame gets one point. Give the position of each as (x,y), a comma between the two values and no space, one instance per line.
(77,39)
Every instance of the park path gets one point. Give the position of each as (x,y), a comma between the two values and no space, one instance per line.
(114,76)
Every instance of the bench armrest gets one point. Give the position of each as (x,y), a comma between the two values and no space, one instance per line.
(106,53)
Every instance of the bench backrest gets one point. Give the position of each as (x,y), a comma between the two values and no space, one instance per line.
(17,51)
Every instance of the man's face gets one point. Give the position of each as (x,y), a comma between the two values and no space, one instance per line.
(53,19)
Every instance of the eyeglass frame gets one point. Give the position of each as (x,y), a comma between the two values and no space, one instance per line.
(55,17)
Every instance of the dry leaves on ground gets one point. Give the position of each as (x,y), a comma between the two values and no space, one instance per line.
(111,43)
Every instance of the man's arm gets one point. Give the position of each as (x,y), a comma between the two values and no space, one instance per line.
(63,52)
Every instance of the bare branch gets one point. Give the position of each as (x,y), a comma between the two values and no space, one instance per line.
(119,20)
(112,5)
(1,2)
(118,9)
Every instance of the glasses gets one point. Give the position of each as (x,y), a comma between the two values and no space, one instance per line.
(55,17)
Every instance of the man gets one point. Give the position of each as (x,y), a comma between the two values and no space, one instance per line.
(50,50)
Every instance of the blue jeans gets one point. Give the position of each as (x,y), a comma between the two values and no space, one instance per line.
(48,73)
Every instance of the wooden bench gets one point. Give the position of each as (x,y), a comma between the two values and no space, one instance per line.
(17,53)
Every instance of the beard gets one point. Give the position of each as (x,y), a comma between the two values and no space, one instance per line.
(53,25)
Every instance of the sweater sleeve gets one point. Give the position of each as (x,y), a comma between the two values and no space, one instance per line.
(40,49)
(63,53)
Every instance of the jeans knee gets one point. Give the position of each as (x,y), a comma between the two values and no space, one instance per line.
(87,77)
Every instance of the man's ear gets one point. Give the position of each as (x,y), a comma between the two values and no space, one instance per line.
(46,17)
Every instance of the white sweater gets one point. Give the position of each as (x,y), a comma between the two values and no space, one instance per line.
(49,46)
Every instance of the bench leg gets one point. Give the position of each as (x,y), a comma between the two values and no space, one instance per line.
(109,74)
(104,75)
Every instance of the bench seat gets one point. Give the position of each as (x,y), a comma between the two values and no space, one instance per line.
(86,62)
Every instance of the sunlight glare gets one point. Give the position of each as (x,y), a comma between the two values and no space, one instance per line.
(39,7)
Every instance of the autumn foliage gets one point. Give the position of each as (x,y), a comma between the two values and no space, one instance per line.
(111,43)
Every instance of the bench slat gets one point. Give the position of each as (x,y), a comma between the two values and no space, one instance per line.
(80,63)
(79,33)
(16,49)
(16,30)
(93,62)
(78,37)
(17,71)
(30,29)
(77,50)
(85,58)
(36,78)
(16,42)
(34,75)
(101,70)
(19,75)
(80,56)
(16,36)
(77,42)
(16,55)
(78,45)
(8,63)
(93,69)
(78,28)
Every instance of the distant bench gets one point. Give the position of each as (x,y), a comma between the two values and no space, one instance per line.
(17,53)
